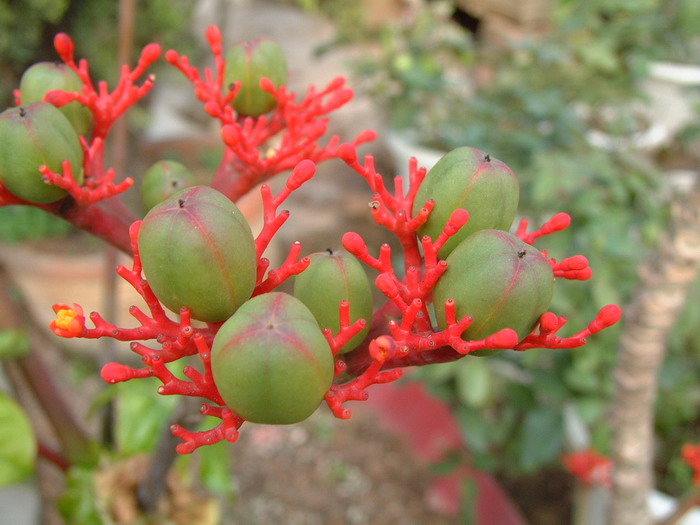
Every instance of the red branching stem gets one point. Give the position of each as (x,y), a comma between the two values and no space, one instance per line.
(381,349)
(227,430)
(573,268)
(252,155)
(106,107)
(90,193)
(7,198)
(347,330)
(393,211)
(291,266)
(272,221)
(550,324)
(559,222)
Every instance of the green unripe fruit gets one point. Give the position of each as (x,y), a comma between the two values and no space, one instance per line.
(163,180)
(249,62)
(197,251)
(32,136)
(497,279)
(333,277)
(43,77)
(270,361)
(470,179)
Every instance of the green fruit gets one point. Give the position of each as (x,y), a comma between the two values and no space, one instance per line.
(162,180)
(332,277)
(32,136)
(197,251)
(470,179)
(43,77)
(249,62)
(270,361)
(498,280)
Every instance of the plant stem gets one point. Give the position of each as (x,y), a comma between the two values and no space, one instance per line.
(655,307)
(74,439)
(153,484)
(689,500)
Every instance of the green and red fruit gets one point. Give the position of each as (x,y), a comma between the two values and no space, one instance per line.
(497,279)
(270,361)
(249,62)
(32,136)
(163,180)
(43,77)
(332,277)
(197,251)
(470,179)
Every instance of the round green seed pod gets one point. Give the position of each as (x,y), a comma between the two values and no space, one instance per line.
(332,277)
(497,279)
(197,251)
(163,180)
(32,136)
(470,179)
(249,62)
(43,77)
(270,361)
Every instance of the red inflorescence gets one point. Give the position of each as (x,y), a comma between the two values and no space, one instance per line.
(589,467)
(691,455)
(258,148)
(401,332)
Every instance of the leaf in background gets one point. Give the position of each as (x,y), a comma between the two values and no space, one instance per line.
(141,415)
(18,444)
(13,343)
(473,382)
(541,438)
(215,467)
(79,504)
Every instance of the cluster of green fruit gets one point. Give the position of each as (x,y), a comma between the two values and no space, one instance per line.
(270,360)
(37,133)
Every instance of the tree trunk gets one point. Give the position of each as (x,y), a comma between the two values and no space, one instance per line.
(652,314)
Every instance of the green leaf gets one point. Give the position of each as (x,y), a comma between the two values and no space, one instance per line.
(13,343)
(18,444)
(215,466)
(541,438)
(474,382)
(79,504)
(142,415)
(475,429)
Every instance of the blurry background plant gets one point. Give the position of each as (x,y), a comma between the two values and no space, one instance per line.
(450,73)
(92,24)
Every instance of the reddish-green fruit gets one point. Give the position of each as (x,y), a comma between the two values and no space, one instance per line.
(270,361)
(43,77)
(498,280)
(198,251)
(332,277)
(32,136)
(470,179)
(162,180)
(249,62)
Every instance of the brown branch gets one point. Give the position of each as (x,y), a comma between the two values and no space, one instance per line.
(686,503)
(652,314)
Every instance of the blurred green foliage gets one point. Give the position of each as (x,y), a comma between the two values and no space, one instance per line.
(27,28)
